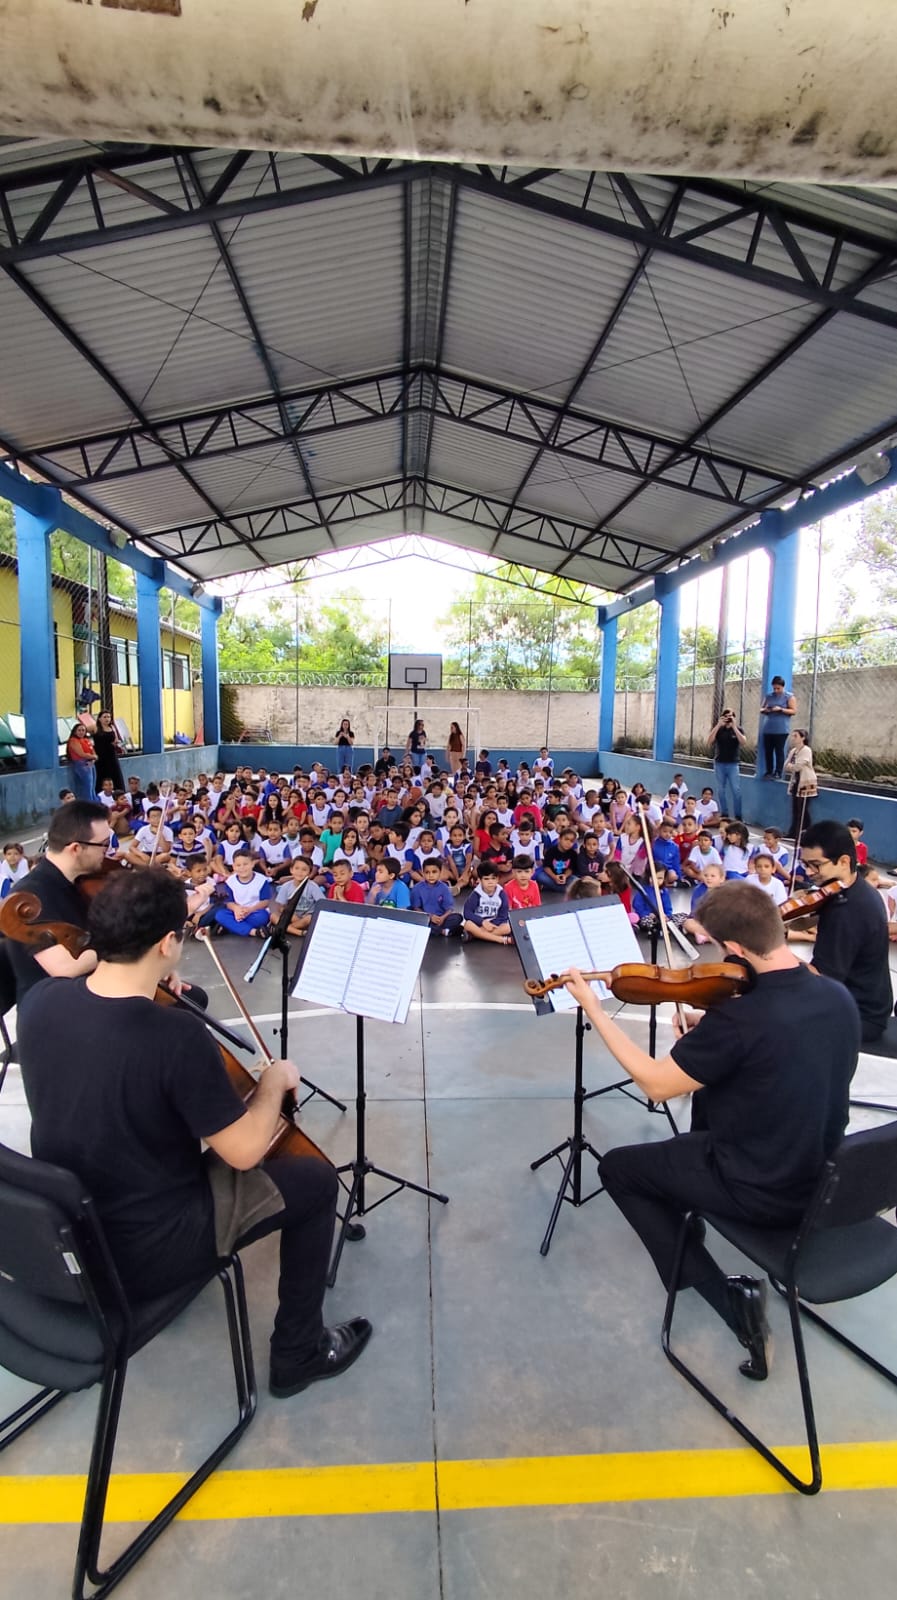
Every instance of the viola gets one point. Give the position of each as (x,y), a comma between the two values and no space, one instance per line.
(807,902)
(642,984)
(19,914)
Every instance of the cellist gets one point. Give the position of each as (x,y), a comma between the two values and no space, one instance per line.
(122,1091)
(774,1066)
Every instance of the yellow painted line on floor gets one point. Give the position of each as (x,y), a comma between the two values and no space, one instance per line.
(463,1485)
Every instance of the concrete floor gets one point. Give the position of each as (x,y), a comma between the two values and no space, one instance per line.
(483,1351)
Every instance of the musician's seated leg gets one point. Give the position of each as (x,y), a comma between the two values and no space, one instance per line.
(302,1349)
(655,1185)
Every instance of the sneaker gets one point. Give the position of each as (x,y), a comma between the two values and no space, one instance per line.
(465,936)
(338,1349)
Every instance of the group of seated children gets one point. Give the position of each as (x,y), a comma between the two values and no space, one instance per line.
(466,849)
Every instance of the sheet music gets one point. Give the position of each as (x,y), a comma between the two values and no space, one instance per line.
(596,939)
(367,966)
(559,943)
(385,970)
(328,961)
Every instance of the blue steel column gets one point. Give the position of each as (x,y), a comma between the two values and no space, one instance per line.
(36,634)
(667,672)
(211,706)
(149,662)
(778,651)
(608,684)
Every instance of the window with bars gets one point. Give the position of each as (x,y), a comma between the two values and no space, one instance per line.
(175,670)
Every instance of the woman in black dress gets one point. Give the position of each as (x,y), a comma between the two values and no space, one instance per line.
(108,747)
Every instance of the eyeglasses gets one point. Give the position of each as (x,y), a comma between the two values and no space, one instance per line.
(813,866)
(98,844)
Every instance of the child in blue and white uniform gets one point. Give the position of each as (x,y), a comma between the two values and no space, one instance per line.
(246,910)
(486,910)
(736,855)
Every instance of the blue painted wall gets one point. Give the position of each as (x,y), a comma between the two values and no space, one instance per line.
(768,802)
(29,797)
(284,757)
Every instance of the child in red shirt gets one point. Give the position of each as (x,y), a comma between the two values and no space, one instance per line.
(343,886)
(520,890)
(855,829)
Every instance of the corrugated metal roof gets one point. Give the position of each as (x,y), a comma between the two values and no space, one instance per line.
(370,293)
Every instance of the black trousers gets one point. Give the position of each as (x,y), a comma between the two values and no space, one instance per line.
(655,1185)
(309,1189)
(774,753)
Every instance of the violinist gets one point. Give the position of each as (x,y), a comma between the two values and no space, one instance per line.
(77,841)
(122,1090)
(774,1065)
(851,941)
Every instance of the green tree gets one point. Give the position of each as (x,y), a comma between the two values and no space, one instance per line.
(341,638)
(514,642)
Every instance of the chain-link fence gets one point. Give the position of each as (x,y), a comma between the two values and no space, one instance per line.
(516,672)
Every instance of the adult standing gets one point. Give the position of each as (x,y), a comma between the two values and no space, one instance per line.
(82,760)
(456,748)
(801,781)
(416,742)
(108,747)
(345,742)
(726,741)
(851,938)
(778,707)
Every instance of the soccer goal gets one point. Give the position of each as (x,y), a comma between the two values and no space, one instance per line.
(391,725)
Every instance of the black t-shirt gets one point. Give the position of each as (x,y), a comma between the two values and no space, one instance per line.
(776,1064)
(500,855)
(852,947)
(558,860)
(725,745)
(121,1092)
(60,901)
(381,768)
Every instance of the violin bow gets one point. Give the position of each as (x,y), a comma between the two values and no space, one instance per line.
(160,829)
(261,1046)
(795,861)
(661,914)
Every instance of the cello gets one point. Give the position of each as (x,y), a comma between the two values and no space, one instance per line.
(19,920)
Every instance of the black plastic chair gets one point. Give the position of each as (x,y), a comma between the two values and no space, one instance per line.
(841,1248)
(7,1001)
(65,1325)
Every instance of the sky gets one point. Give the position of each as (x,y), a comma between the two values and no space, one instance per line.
(415,593)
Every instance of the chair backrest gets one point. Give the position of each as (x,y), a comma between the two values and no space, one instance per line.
(41,1208)
(862,1178)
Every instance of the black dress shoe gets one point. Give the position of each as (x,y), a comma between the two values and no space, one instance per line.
(747,1298)
(337,1350)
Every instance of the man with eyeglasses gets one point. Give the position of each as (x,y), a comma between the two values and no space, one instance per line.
(77,841)
(850,943)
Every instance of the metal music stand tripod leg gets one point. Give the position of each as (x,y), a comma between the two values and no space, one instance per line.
(576,1146)
(362,1168)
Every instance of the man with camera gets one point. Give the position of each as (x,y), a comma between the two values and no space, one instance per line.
(726,740)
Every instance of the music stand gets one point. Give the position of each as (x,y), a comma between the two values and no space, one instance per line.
(278,940)
(533,954)
(625,1085)
(363,961)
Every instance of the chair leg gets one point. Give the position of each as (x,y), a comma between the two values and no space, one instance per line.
(6,1053)
(805,1486)
(87,1567)
(855,1349)
(18,1422)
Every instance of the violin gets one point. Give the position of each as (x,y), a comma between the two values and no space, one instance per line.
(807,902)
(19,914)
(642,984)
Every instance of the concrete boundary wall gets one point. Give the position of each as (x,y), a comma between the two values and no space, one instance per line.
(27,797)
